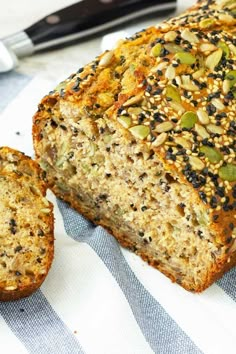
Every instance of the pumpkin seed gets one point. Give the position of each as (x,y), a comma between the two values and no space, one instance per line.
(156,50)
(206,23)
(213,155)
(225,48)
(228,172)
(189,36)
(125,121)
(199,73)
(213,59)
(173,93)
(188,120)
(135,111)
(173,48)
(231,76)
(185,58)
(61,86)
(107,138)
(140,131)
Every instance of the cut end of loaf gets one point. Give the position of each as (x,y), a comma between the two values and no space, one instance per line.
(26,226)
(125,188)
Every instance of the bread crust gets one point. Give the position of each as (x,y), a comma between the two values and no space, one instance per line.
(24,173)
(96,92)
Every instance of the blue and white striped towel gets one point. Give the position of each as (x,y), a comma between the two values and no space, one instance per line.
(99,298)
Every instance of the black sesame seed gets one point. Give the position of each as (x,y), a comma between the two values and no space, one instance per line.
(211,109)
(18,249)
(40,233)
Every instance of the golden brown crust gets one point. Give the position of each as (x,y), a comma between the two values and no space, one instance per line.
(23,208)
(184,66)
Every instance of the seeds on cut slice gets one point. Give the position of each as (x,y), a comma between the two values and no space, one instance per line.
(213,59)
(185,58)
(213,155)
(140,131)
(203,116)
(125,121)
(228,172)
(173,94)
(188,120)
(156,50)
(164,127)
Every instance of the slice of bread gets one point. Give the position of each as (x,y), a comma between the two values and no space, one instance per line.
(26,221)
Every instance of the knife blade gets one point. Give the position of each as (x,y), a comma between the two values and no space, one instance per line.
(74,23)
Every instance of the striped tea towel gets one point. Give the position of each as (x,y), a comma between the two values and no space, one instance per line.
(99,298)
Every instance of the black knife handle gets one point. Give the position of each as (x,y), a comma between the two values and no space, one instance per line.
(89,17)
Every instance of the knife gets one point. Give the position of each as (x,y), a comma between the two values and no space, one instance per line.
(76,22)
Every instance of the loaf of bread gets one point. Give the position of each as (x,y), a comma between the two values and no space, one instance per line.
(142,141)
(26,220)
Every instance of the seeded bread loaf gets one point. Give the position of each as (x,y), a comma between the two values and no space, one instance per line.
(26,220)
(142,142)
